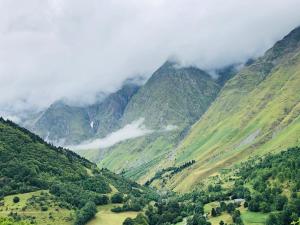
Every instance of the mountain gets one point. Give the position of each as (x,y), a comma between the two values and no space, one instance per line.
(43,184)
(257,112)
(106,116)
(65,124)
(61,123)
(172,96)
(169,102)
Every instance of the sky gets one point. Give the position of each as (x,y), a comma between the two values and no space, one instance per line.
(75,49)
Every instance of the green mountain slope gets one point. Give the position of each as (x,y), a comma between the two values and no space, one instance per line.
(64,124)
(172,96)
(36,177)
(170,101)
(257,111)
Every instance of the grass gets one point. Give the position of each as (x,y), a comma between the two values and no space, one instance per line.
(270,108)
(136,156)
(106,217)
(249,218)
(224,216)
(254,218)
(58,215)
(208,207)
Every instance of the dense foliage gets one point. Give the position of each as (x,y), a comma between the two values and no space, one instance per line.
(170,171)
(268,184)
(276,183)
(27,163)
(85,213)
(9,221)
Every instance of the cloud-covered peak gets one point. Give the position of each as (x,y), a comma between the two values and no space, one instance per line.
(74,49)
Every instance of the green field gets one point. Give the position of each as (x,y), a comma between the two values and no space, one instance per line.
(253,218)
(54,215)
(106,217)
(249,218)
(60,216)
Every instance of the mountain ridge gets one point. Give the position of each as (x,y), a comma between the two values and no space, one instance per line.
(254,113)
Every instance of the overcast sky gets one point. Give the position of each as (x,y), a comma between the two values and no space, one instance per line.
(75,48)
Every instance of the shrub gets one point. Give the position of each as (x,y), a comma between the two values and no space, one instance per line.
(117,198)
(16,199)
(85,213)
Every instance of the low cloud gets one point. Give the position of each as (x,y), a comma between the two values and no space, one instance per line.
(170,128)
(132,130)
(74,49)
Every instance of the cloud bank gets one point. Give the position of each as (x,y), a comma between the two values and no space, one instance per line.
(129,131)
(74,48)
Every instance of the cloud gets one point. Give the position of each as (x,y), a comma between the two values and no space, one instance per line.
(75,49)
(132,130)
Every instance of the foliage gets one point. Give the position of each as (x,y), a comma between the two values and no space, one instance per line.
(10,221)
(87,212)
(266,176)
(27,164)
(139,220)
(170,170)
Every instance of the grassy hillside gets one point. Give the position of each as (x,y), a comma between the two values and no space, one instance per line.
(257,111)
(170,101)
(137,158)
(43,184)
(172,96)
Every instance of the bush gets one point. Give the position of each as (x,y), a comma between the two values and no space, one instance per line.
(44,208)
(85,213)
(16,199)
(117,198)
(128,221)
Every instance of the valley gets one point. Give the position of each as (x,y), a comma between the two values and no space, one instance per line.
(180,146)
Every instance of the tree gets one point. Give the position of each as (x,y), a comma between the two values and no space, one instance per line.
(265,207)
(223,206)
(213,212)
(273,219)
(16,199)
(117,198)
(128,221)
(141,220)
(85,213)
(222,222)
(199,209)
(280,201)
(253,206)
(230,207)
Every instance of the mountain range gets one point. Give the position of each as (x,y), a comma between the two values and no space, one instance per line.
(206,150)
(190,115)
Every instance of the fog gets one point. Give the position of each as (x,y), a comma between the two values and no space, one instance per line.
(129,131)
(75,49)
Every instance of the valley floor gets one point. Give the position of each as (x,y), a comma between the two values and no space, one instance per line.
(249,218)
(105,216)
(54,215)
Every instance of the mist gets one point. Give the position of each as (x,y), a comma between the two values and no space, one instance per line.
(129,131)
(74,49)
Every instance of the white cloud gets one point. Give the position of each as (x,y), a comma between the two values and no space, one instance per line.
(132,130)
(74,48)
